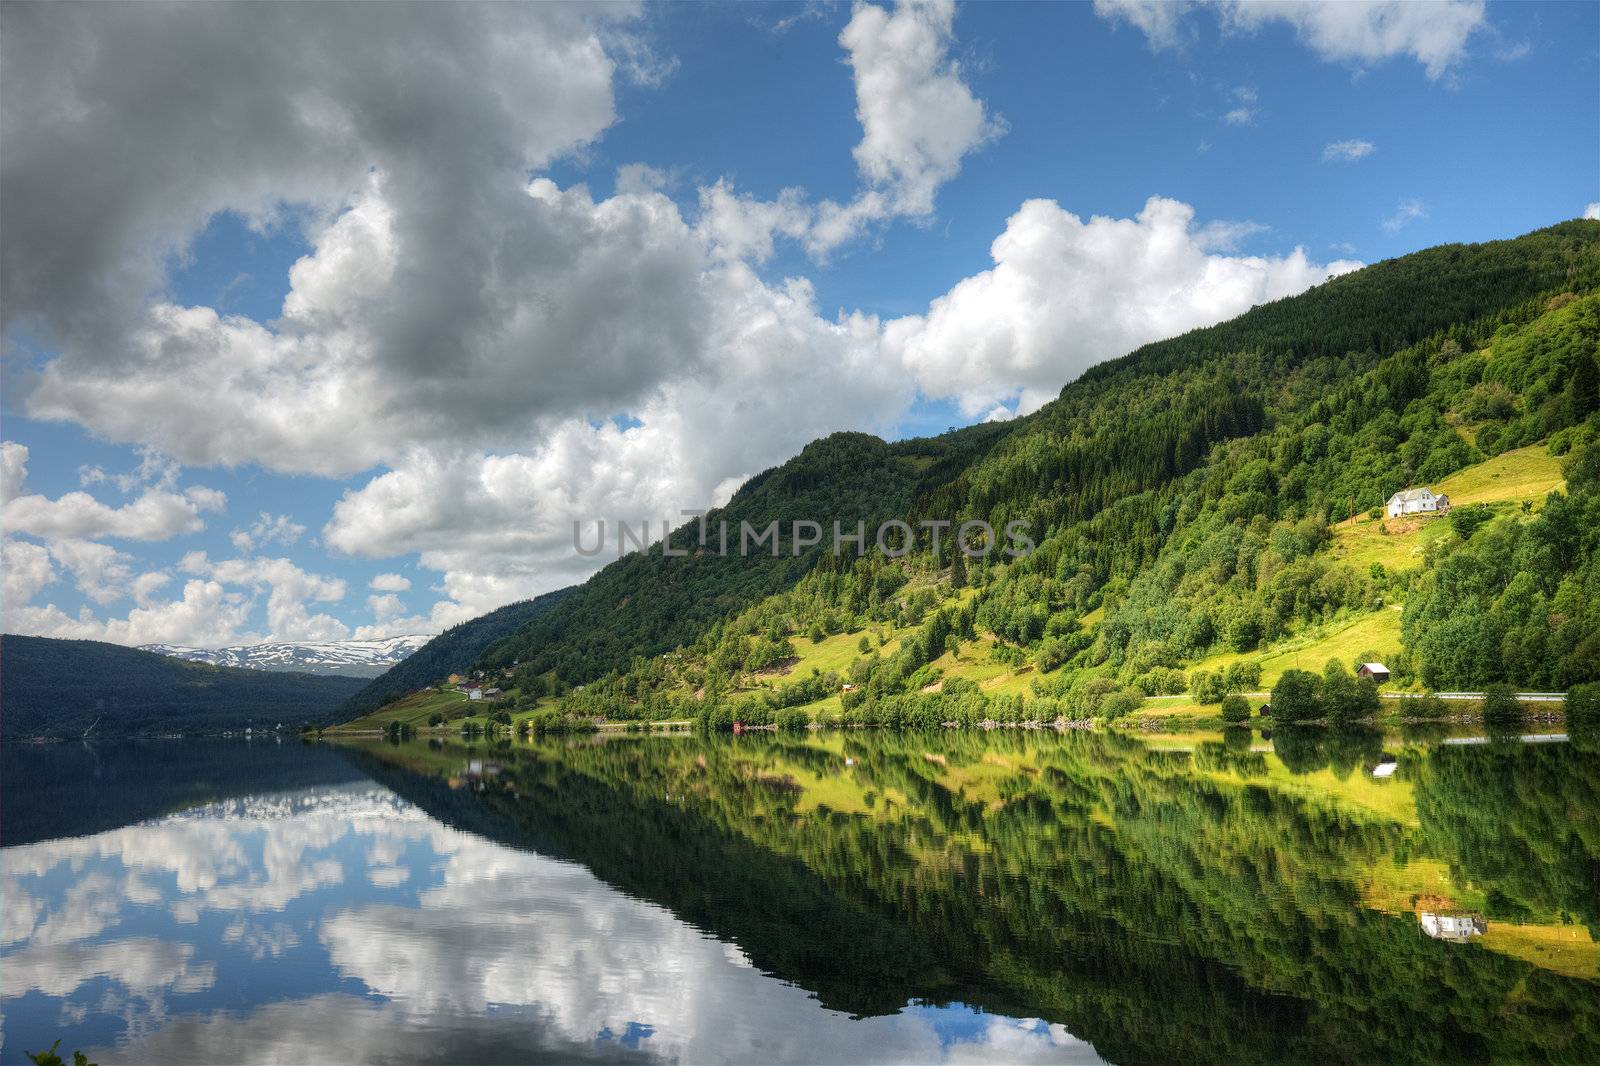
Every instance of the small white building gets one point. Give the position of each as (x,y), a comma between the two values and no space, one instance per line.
(1454,927)
(1376,671)
(474,693)
(1417,501)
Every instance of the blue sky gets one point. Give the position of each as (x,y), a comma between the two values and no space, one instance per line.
(564,265)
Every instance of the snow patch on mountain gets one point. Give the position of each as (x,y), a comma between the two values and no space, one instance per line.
(352,658)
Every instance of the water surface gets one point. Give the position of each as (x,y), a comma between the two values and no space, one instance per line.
(838,898)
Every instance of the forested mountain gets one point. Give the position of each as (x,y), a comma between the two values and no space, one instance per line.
(644,604)
(1195,499)
(60,688)
(453,651)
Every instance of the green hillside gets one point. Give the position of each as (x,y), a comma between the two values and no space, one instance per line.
(1185,500)
(645,604)
(60,688)
(453,651)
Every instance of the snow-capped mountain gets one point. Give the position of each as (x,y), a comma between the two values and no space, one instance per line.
(350,658)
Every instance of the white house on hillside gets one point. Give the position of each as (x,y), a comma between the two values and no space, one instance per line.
(1417,501)
(1454,927)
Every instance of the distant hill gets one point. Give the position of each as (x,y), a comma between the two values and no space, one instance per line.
(452,651)
(59,688)
(345,658)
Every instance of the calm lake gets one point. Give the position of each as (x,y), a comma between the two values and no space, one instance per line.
(840,897)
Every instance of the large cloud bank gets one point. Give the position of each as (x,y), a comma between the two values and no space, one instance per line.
(490,355)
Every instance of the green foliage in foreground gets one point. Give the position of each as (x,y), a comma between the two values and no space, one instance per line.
(1583,704)
(50,1058)
(1500,706)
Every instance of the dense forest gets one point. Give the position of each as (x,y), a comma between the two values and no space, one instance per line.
(1191,500)
(61,688)
(645,603)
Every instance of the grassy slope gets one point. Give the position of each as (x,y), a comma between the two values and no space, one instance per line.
(413,710)
(1377,631)
(450,652)
(1503,483)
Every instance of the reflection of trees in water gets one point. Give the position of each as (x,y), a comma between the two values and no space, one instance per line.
(1520,820)
(1157,911)
(1307,748)
(137,779)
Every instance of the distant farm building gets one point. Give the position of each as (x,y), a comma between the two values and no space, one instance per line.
(1377,671)
(1417,501)
(1458,928)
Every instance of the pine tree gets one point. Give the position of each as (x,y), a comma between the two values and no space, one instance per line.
(1585,386)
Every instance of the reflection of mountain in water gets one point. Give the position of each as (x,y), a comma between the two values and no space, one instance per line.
(64,790)
(343,924)
(1164,905)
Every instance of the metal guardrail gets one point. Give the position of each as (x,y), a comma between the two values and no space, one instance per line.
(1524,697)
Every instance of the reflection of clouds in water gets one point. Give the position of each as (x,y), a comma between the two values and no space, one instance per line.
(507,954)
(250,855)
(509,928)
(384,876)
(338,1028)
(244,856)
(142,965)
(262,941)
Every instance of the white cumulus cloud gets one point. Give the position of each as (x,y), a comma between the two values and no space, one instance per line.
(495,356)
(390,583)
(156,514)
(919,118)
(1066,293)
(1355,31)
(205,615)
(1347,151)
(1408,211)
